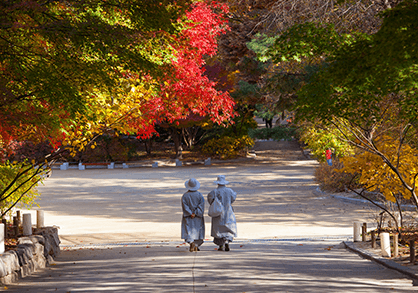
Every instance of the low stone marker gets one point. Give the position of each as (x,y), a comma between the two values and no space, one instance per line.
(357,231)
(155,165)
(27,224)
(2,235)
(64,166)
(207,162)
(178,163)
(125,166)
(395,245)
(111,166)
(40,219)
(81,166)
(385,244)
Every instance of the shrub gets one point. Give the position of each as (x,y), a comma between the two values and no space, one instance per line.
(319,137)
(23,191)
(331,179)
(227,147)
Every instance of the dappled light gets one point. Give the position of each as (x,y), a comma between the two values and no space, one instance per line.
(276,267)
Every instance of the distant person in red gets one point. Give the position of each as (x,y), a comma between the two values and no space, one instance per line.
(328,156)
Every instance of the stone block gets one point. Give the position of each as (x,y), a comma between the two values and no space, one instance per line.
(51,246)
(3,270)
(10,279)
(40,261)
(24,253)
(64,166)
(27,269)
(2,235)
(10,261)
(32,253)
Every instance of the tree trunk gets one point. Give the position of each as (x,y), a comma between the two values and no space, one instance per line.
(177,142)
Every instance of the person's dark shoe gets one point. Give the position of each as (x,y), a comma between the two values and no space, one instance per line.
(192,247)
(226,246)
(221,248)
(197,248)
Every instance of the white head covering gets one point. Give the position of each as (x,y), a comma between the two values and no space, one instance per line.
(221,180)
(192,184)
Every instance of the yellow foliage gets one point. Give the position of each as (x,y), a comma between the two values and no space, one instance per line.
(108,113)
(376,174)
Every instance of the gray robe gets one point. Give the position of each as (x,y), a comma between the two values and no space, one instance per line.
(224,226)
(193,229)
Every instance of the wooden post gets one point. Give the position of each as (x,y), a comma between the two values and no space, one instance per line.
(395,245)
(16,225)
(412,251)
(373,239)
(19,218)
(364,232)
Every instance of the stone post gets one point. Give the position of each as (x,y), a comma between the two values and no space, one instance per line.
(125,166)
(155,165)
(111,165)
(207,162)
(81,166)
(64,166)
(178,163)
(40,219)
(395,245)
(2,236)
(27,224)
(385,244)
(4,221)
(357,231)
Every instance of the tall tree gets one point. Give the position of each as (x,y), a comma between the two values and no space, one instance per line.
(72,70)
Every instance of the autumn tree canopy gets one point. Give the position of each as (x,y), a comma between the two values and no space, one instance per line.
(72,70)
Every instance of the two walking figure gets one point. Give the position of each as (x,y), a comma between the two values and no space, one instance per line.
(224,226)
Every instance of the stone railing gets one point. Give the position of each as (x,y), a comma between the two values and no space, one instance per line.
(32,253)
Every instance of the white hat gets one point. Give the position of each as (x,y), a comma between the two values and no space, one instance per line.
(221,180)
(192,184)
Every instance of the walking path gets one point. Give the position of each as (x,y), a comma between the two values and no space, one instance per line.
(120,232)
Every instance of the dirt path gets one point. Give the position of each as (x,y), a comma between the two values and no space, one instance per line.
(288,240)
(276,199)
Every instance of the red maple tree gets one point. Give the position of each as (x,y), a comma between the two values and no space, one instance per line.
(189,91)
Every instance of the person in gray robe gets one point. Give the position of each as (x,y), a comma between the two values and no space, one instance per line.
(193,222)
(224,227)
